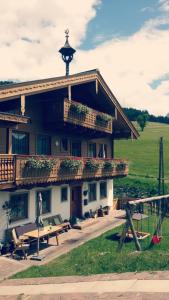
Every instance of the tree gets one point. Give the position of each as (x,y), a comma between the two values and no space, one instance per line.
(142,121)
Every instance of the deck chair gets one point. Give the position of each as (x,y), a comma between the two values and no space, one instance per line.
(59,221)
(19,245)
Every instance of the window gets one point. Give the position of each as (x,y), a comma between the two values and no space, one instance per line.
(19,207)
(92,150)
(102,151)
(64,194)
(43,145)
(46,201)
(76,148)
(20,142)
(103,189)
(92,192)
(64,145)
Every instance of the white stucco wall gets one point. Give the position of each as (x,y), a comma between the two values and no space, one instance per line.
(57,207)
(96,204)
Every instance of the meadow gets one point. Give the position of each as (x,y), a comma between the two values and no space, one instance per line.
(143,154)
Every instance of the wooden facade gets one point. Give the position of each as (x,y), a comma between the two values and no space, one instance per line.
(43,108)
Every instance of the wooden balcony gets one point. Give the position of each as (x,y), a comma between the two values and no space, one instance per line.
(20,170)
(64,113)
(13,118)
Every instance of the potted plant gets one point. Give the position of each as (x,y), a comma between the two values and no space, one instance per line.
(103,119)
(108,166)
(121,166)
(40,164)
(70,165)
(79,109)
(5,246)
(92,165)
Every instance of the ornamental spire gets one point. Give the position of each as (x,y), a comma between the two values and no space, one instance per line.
(67,52)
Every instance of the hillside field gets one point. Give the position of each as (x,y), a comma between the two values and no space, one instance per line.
(143,154)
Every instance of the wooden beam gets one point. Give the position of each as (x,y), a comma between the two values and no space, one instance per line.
(69,93)
(146,200)
(23,105)
(9,141)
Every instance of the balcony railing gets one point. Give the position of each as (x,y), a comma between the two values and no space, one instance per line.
(69,112)
(88,120)
(7,168)
(13,118)
(32,170)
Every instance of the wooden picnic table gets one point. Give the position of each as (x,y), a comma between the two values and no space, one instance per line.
(44,232)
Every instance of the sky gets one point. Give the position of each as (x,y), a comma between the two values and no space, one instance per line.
(127,40)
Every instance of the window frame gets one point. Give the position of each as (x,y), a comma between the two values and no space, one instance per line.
(61,188)
(50,143)
(26,216)
(95,154)
(89,192)
(77,142)
(61,145)
(104,146)
(28,141)
(50,202)
(105,195)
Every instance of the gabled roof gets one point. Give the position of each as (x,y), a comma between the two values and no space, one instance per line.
(38,86)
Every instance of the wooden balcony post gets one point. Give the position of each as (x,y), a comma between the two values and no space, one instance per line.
(9,140)
(23,105)
(112,149)
(69,93)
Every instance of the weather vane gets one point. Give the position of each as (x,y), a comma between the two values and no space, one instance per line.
(67,52)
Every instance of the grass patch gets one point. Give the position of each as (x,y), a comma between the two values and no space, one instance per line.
(143,154)
(100,256)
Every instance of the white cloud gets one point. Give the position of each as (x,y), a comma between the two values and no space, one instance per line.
(31,33)
(147,8)
(131,64)
(164,5)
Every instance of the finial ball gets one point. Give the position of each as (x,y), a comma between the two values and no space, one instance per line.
(67,32)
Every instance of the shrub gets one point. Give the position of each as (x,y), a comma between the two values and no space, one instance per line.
(103,118)
(121,166)
(70,165)
(79,109)
(108,165)
(39,164)
(92,165)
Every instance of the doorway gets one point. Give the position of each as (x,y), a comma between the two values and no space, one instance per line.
(76,201)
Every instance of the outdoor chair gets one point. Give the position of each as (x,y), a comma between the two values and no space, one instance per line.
(57,220)
(19,245)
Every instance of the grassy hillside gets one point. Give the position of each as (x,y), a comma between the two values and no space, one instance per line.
(143,154)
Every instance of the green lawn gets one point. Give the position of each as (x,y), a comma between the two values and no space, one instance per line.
(100,256)
(143,153)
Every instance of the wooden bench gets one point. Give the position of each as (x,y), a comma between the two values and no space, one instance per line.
(57,220)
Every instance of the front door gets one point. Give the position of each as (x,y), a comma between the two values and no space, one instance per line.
(76,201)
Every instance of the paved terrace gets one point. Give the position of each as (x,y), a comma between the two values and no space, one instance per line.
(68,241)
